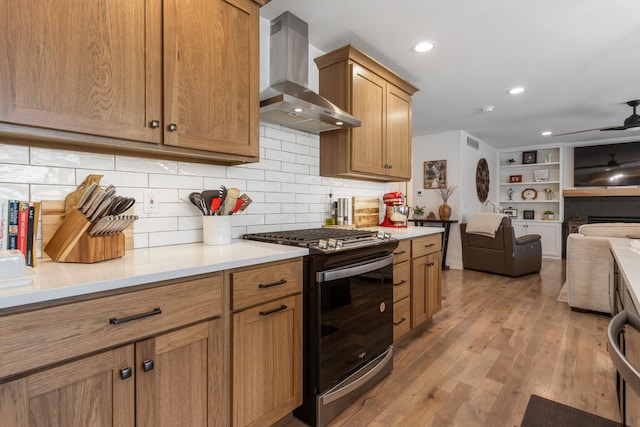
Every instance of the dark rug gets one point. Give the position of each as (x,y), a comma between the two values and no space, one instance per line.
(543,412)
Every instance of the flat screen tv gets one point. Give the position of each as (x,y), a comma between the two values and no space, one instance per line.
(609,165)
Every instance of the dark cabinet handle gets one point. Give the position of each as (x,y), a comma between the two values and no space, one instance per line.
(402,320)
(116,321)
(265,313)
(126,373)
(400,253)
(173,127)
(155,124)
(268,285)
(147,365)
(430,264)
(429,245)
(390,166)
(402,282)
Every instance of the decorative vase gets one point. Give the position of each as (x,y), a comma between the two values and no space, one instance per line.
(445,211)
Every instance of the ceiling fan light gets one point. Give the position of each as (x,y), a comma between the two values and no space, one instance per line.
(546,133)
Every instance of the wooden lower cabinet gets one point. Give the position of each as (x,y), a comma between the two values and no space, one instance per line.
(417,273)
(425,287)
(179,377)
(166,380)
(267,362)
(87,392)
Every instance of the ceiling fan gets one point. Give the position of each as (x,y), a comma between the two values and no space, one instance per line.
(630,122)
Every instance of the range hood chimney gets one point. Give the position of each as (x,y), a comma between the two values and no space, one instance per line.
(287,101)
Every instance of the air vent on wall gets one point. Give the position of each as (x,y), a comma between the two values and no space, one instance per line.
(473,143)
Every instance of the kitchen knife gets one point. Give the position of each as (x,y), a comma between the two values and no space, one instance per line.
(86,196)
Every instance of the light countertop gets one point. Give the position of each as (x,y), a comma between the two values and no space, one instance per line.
(147,265)
(629,263)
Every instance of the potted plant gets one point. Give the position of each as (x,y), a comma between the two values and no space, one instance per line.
(418,211)
(511,162)
(548,215)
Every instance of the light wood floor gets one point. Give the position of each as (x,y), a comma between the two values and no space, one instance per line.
(496,341)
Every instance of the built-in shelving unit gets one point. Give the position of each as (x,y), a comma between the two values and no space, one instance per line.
(539,170)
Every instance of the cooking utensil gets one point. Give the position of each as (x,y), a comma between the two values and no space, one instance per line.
(120,205)
(223,198)
(195,199)
(94,203)
(230,201)
(246,201)
(236,208)
(86,196)
(102,208)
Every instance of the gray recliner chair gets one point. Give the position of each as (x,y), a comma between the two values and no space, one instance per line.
(503,254)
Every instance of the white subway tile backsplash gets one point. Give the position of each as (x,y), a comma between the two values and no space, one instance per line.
(175,181)
(295,148)
(285,186)
(134,164)
(282,135)
(71,159)
(14,154)
(246,173)
(200,169)
(283,177)
(22,174)
(15,191)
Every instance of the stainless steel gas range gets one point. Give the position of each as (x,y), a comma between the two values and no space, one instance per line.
(348,315)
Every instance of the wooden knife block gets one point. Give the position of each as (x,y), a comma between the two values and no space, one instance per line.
(70,241)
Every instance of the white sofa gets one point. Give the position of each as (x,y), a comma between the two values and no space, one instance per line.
(589,264)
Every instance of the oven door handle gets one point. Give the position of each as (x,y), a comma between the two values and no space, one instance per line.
(354,270)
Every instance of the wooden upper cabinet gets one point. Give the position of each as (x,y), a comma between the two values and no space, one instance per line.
(84,67)
(380,149)
(212,75)
(115,76)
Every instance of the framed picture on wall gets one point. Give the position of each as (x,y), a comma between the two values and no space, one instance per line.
(435,174)
(512,213)
(529,157)
(528,214)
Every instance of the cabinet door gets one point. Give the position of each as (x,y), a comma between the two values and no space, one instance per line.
(434,283)
(425,287)
(175,373)
(87,392)
(549,236)
(368,103)
(398,133)
(267,362)
(90,67)
(211,72)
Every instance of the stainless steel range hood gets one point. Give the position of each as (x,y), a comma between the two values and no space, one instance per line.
(288,101)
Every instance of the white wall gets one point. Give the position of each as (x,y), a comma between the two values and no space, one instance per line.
(461,168)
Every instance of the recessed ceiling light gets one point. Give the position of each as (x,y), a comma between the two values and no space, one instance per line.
(339,123)
(424,46)
(546,133)
(516,90)
(488,108)
(298,110)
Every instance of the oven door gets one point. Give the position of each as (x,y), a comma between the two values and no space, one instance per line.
(356,317)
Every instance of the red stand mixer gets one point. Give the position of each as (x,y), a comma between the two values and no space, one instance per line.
(396,214)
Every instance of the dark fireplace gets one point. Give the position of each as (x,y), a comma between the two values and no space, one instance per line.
(601,219)
(582,210)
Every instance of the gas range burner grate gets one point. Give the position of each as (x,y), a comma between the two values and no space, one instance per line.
(311,236)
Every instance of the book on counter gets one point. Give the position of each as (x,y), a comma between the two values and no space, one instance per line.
(19,227)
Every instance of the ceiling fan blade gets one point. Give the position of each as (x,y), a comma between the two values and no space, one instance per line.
(618,128)
(578,131)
